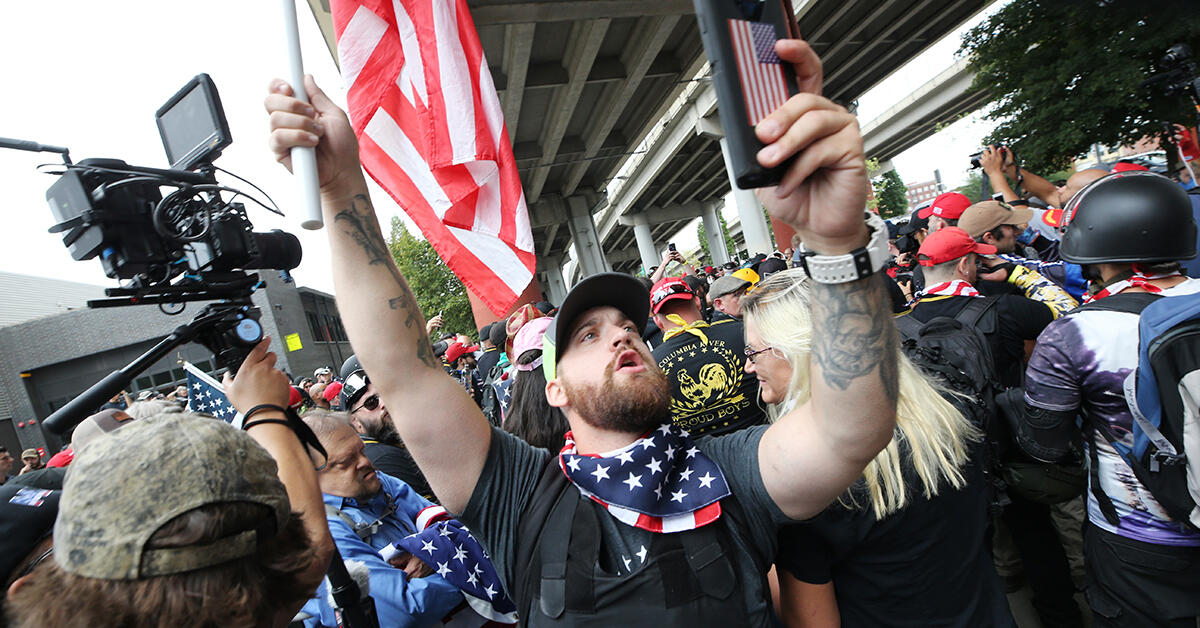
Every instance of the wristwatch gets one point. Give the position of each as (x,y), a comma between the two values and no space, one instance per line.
(854,265)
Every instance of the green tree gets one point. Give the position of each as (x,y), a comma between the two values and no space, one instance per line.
(436,288)
(972,188)
(890,195)
(1063,75)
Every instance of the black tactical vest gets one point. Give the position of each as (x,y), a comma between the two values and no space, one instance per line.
(687,579)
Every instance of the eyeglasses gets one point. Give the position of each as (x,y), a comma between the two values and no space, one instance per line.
(752,355)
(370,403)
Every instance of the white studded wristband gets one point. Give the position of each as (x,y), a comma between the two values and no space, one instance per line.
(854,265)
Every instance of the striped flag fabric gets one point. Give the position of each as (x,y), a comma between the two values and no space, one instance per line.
(759,68)
(206,395)
(431,132)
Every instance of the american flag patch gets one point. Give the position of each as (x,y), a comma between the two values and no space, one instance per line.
(759,68)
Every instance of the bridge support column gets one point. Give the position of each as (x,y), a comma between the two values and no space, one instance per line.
(754,223)
(712,231)
(645,244)
(556,286)
(588,251)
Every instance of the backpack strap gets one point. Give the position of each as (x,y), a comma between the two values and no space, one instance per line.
(973,315)
(909,327)
(1129,302)
(1102,499)
(549,491)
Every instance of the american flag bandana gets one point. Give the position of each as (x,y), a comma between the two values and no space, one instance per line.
(956,288)
(661,482)
(449,548)
(207,395)
(1138,280)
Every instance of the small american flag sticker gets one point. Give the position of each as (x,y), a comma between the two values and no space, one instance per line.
(759,68)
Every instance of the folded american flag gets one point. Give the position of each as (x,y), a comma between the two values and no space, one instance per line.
(448,547)
(662,482)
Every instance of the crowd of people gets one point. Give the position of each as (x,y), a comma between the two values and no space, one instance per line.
(879,425)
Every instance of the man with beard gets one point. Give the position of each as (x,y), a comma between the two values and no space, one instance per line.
(369,417)
(579,537)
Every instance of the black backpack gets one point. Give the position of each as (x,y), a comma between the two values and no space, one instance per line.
(955,351)
(489,401)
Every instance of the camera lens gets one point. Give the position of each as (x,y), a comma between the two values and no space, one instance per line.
(277,250)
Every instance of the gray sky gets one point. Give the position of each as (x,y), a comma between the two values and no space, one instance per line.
(89,76)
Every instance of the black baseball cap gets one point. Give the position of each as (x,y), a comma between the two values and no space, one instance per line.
(913,225)
(618,290)
(27,516)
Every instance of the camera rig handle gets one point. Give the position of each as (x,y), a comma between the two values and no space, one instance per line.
(228,329)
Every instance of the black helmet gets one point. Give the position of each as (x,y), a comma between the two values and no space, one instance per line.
(1129,217)
(354,380)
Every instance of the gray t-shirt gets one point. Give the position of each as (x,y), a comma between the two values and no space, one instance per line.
(512,471)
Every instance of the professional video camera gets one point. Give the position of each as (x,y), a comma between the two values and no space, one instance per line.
(110,209)
(187,245)
(1177,73)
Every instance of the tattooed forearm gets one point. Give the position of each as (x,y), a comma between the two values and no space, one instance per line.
(360,225)
(853,334)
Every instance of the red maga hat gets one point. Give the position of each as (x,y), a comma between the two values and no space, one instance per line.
(949,244)
(948,205)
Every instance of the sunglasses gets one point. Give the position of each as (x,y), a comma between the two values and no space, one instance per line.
(370,403)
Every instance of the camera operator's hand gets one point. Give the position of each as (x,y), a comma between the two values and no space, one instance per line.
(321,124)
(258,381)
(993,160)
(823,194)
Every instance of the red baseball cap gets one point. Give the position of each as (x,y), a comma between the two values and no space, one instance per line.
(1126,166)
(457,350)
(331,391)
(949,244)
(669,288)
(948,205)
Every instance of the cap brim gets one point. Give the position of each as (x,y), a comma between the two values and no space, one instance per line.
(984,249)
(925,213)
(672,296)
(1021,215)
(612,289)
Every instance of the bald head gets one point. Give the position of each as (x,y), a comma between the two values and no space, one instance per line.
(1077,182)
(325,423)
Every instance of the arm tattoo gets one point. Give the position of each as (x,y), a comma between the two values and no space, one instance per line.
(361,227)
(853,333)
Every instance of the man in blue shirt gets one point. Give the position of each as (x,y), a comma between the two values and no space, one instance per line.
(368,513)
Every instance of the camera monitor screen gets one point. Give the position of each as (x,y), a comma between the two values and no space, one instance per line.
(192,124)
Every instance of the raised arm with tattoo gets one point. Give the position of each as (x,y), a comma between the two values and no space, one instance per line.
(812,453)
(445,431)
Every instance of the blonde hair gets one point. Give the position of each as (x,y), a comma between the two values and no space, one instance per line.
(934,432)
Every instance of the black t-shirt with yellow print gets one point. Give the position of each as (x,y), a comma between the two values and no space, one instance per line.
(710,391)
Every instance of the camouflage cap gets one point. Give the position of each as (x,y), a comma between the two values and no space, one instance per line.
(123,488)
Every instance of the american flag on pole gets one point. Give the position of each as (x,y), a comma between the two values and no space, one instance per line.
(431,132)
(759,68)
(206,395)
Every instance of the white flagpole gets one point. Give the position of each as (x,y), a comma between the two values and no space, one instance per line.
(304,159)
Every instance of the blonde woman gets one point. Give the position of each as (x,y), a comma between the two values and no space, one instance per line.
(906,545)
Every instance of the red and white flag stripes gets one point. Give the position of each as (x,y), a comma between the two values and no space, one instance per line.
(431,132)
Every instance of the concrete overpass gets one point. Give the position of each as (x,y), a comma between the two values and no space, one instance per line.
(680,174)
(940,101)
